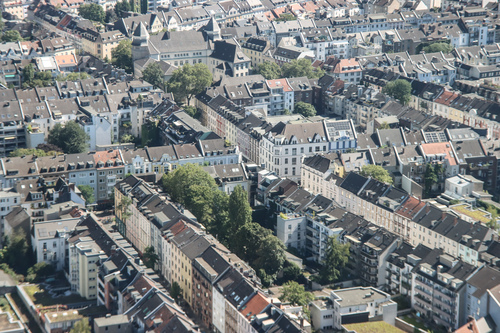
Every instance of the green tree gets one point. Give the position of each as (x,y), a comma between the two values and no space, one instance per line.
(124,208)
(40,271)
(239,211)
(269,70)
(122,7)
(93,12)
(154,75)
(286,17)
(49,149)
(384,125)
(219,223)
(81,326)
(291,272)
(430,178)
(178,183)
(71,138)
(28,74)
(438,47)
(11,36)
(127,138)
(17,254)
(305,109)
(258,246)
(111,16)
(121,56)
(150,257)
(336,258)
(87,193)
(301,67)
(188,81)
(399,89)
(296,294)
(175,290)
(376,172)
(271,255)
(192,111)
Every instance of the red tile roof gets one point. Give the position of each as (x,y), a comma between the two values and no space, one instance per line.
(255,306)
(410,207)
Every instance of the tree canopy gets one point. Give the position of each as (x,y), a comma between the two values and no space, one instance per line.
(122,7)
(399,89)
(150,257)
(35,79)
(188,81)
(81,326)
(71,138)
(438,47)
(11,36)
(229,218)
(301,67)
(269,70)
(93,12)
(376,172)
(305,109)
(77,76)
(336,258)
(296,294)
(121,56)
(154,75)
(87,193)
(39,271)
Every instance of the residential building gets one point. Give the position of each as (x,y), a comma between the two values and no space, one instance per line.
(353,305)
(440,289)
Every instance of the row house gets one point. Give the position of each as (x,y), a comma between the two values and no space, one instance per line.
(217,285)
(103,169)
(413,220)
(285,145)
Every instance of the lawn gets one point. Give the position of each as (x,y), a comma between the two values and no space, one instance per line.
(476,214)
(411,320)
(373,327)
(4,305)
(41,297)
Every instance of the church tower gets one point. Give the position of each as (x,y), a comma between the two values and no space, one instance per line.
(212,29)
(140,41)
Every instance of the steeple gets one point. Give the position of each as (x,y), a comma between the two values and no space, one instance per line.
(212,29)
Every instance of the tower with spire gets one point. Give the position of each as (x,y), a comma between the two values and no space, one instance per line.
(212,29)
(140,43)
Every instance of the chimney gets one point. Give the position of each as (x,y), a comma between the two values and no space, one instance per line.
(455,221)
(419,199)
(443,215)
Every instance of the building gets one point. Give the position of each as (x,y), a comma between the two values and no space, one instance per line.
(439,292)
(353,305)
(49,241)
(285,145)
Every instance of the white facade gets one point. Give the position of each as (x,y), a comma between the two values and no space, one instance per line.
(49,241)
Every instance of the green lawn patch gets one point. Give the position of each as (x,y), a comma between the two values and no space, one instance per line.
(41,297)
(373,327)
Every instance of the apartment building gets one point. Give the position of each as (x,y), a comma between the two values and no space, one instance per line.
(258,50)
(365,303)
(101,44)
(439,288)
(49,241)
(84,257)
(284,146)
